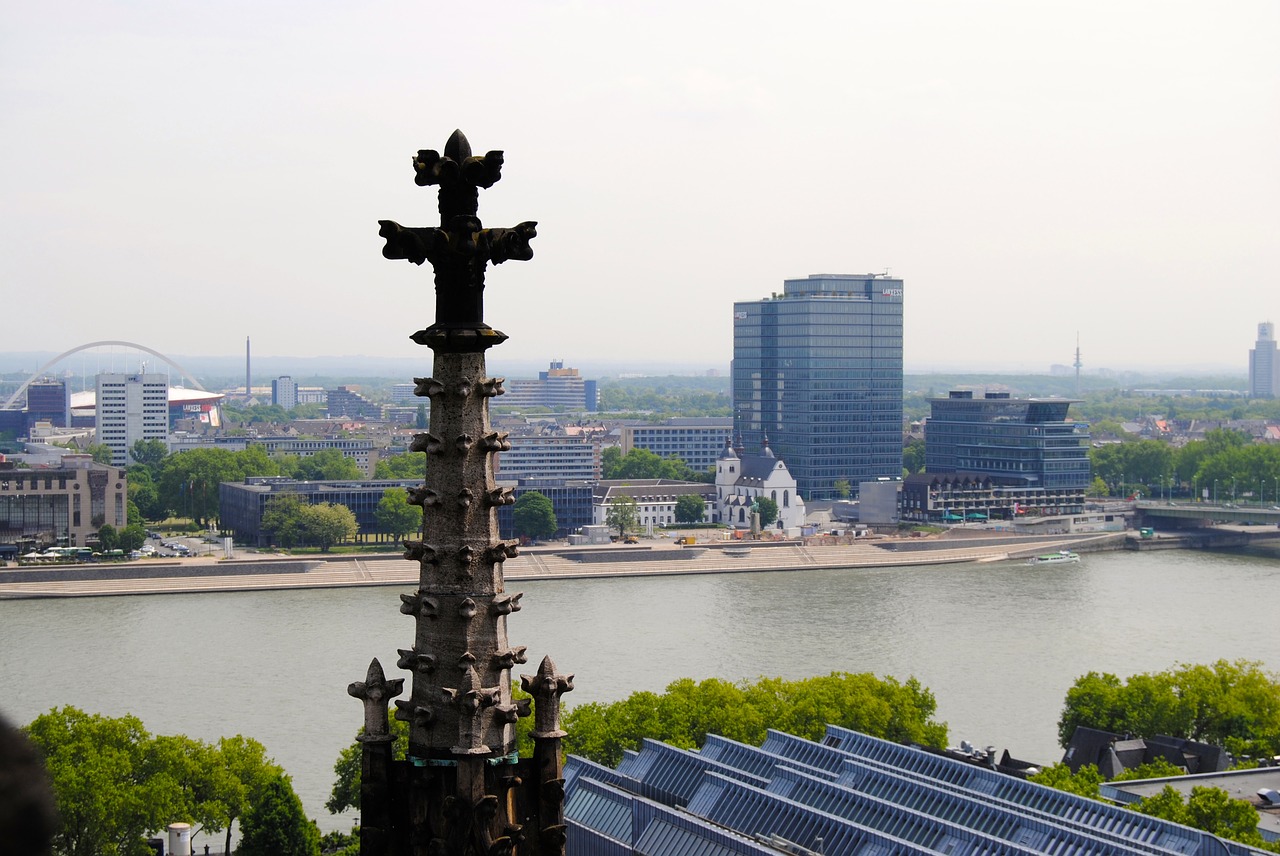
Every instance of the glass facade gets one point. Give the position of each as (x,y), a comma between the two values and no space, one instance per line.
(818,370)
(1025,440)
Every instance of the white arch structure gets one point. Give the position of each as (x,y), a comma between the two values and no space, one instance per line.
(8,405)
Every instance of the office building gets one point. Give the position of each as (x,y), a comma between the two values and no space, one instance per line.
(554,454)
(284,392)
(558,388)
(1264,364)
(63,506)
(998,456)
(818,370)
(696,441)
(49,400)
(129,408)
(242,504)
(571,500)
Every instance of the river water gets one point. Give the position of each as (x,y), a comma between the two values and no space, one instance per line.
(998,644)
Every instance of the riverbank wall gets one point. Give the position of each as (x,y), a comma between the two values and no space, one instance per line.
(272,572)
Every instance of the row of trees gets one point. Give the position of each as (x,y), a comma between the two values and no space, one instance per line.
(296,523)
(1233,704)
(115,783)
(689,710)
(1224,457)
(186,484)
(643,464)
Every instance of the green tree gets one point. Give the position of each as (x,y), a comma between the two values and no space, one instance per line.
(643,464)
(395,515)
(130,537)
(325,465)
(410,465)
(114,783)
(144,494)
(325,524)
(622,514)
(282,519)
(100,452)
(239,772)
(1210,809)
(534,515)
(420,419)
(1234,704)
(108,537)
(688,711)
(149,453)
(768,510)
(843,488)
(913,455)
(188,482)
(690,508)
(1085,782)
(276,825)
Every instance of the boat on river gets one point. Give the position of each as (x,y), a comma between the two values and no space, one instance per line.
(1058,558)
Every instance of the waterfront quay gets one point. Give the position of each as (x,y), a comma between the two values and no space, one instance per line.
(267,572)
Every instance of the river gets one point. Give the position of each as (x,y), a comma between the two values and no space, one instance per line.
(998,644)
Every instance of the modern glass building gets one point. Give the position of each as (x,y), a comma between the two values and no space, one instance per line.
(817,370)
(999,456)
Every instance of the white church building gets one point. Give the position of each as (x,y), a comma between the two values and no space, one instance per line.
(741,479)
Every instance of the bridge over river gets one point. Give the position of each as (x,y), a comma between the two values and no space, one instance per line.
(1184,515)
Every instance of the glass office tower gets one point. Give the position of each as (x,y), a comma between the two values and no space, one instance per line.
(818,371)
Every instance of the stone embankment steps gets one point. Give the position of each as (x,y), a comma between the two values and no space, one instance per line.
(339,571)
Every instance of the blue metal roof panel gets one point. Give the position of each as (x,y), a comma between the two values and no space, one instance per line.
(761,814)
(933,816)
(1068,808)
(601,809)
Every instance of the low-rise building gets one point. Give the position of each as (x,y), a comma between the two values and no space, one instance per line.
(242,504)
(655,499)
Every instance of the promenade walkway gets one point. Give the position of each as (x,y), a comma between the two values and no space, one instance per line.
(255,574)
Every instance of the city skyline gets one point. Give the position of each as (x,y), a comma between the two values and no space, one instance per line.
(198,175)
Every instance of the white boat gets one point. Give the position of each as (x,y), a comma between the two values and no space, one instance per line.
(1055,558)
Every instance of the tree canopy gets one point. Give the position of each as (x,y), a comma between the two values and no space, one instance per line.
(768,510)
(324,465)
(1233,704)
(114,782)
(643,464)
(688,711)
(622,514)
(409,465)
(690,508)
(276,825)
(294,523)
(395,515)
(535,516)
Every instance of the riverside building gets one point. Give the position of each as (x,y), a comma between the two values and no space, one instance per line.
(999,456)
(817,370)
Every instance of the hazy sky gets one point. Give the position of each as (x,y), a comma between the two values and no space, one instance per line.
(185,174)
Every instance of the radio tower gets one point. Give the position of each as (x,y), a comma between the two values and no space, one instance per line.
(1077,364)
